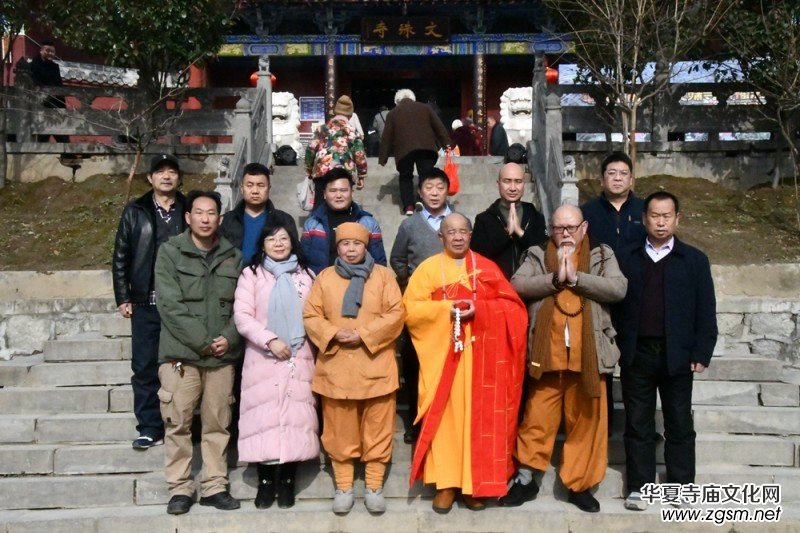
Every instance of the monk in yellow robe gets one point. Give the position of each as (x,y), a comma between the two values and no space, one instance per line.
(469,329)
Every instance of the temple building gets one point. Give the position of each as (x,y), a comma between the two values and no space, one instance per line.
(459,55)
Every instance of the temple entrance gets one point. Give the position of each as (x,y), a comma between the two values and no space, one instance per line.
(439,81)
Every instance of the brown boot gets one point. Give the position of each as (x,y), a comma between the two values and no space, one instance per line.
(473,504)
(443,501)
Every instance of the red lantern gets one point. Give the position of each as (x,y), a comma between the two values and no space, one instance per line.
(551,75)
(254,79)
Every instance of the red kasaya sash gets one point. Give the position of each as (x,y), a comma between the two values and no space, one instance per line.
(499,331)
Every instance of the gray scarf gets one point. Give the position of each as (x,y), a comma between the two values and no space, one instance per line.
(357,274)
(285,311)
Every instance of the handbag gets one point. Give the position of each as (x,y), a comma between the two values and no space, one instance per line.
(305,194)
(451,169)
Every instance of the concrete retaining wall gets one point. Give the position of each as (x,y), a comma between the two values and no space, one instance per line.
(758,309)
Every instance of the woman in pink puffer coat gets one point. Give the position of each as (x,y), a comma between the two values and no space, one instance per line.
(278,421)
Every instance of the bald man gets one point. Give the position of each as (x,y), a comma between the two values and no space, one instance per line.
(509,226)
(568,287)
(468,327)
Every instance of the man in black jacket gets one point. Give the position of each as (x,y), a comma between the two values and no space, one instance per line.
(667,329)
(46,73)
(242,225)
(615,216)
(510,226)
(146,224)
(615,219)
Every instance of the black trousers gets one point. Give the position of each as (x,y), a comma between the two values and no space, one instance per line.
(640,382)
(425,160)
(145,334)
(410,376)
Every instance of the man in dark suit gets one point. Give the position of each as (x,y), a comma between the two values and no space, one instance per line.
(667,329)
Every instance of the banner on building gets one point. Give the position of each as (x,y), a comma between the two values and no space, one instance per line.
(383,30)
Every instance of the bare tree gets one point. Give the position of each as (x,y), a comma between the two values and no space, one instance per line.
(619,44)
(159,39)
(764,37)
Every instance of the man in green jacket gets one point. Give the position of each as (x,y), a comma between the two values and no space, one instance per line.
(195,280)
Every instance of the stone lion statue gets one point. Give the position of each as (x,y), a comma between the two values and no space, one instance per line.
(515,114)
(286,121)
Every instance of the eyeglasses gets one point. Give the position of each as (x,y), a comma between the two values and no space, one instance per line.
(454,232)
(621,173)
(567,229)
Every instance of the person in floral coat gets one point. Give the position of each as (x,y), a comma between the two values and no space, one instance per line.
(336,144)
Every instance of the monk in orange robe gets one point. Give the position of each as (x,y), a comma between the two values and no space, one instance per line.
(469,328)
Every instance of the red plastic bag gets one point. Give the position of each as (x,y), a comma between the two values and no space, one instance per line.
(451,169)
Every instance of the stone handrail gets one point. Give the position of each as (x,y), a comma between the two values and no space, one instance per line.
(666,118)
(252,138)
(108,112)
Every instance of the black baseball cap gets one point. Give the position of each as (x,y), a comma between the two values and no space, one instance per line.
(160,160)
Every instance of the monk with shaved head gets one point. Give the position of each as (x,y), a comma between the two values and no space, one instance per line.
(568,285)
(468,327)
(509,226)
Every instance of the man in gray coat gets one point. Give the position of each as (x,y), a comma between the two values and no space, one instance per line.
(418,239)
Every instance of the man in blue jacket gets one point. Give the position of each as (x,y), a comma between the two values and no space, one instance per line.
(319,238)
(667,329)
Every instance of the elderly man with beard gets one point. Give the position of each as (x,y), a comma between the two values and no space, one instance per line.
(568,285)
(468,327)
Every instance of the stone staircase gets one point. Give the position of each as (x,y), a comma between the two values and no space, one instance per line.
(66,424)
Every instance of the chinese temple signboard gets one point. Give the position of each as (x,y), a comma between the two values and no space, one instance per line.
(393,30)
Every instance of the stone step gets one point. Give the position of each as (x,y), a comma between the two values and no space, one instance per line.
(742,369)
(545,514)
(120,399)
(48,400)
(748,420)
(69,428)
(79,374)
(13,372)
(47,492)
(118,457)
(742,393)
(87,348)
(114,325)
(315,481)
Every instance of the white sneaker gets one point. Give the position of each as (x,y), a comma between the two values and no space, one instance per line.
(374,501)
(634,502)
(342,501)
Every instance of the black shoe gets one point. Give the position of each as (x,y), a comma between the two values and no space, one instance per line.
(286,475)
(584,501)
(179,504)
(266,486)
(221,500)
(410,436)
(519,494)
(144,442)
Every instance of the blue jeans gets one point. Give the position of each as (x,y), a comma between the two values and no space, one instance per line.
(145,333)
